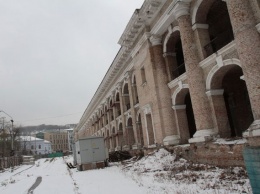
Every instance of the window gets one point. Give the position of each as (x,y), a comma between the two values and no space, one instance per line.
(32,147)
(40,146)
(143,75)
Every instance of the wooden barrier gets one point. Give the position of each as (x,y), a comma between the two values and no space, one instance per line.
(7,162)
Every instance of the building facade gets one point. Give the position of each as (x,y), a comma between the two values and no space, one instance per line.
(187,72)
(58,139)
(33,145)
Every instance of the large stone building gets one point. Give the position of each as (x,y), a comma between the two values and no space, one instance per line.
(188,71)
(58,139)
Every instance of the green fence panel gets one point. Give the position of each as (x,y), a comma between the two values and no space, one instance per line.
(252,162)
(53,155)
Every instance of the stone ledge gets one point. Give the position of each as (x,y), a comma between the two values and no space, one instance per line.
(171,140)
(203,136)
(253,130)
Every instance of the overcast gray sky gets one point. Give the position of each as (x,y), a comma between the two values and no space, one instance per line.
(55,53)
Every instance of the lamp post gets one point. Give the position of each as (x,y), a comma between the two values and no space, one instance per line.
(12,139)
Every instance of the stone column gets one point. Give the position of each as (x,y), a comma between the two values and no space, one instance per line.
(247,40)
(197,86)
(219,112)
(163,100)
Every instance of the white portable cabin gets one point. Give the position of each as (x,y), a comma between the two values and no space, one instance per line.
(91,153)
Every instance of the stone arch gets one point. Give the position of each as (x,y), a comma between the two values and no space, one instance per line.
(173,53)
(184,113)
(167,37)
(232,113)
(133,76)
(126,97)
(117,97)
(120,138)
(175,101)
(212,17)
(125,89)
(130,131)
(117,103)
(110,101)
(217,67)
(196,11)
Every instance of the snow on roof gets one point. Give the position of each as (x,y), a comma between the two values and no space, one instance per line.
(29,138)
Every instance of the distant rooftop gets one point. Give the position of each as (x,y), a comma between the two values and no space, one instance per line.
(29,138)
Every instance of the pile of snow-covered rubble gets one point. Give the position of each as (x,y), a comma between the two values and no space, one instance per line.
(163,171)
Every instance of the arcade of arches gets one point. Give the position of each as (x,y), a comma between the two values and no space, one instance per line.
(185,77)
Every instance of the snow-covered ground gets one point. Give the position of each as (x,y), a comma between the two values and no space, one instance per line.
(159,172)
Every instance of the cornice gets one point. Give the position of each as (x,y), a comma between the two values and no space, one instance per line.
(122,63)
(139,20)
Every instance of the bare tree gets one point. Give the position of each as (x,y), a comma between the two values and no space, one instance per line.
(8,136)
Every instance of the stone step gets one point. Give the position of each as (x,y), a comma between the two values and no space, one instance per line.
(28,160)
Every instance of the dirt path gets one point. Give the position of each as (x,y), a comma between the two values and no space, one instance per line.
(36,184)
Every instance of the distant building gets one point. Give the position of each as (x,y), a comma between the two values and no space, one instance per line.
(58,139)
(33,145)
